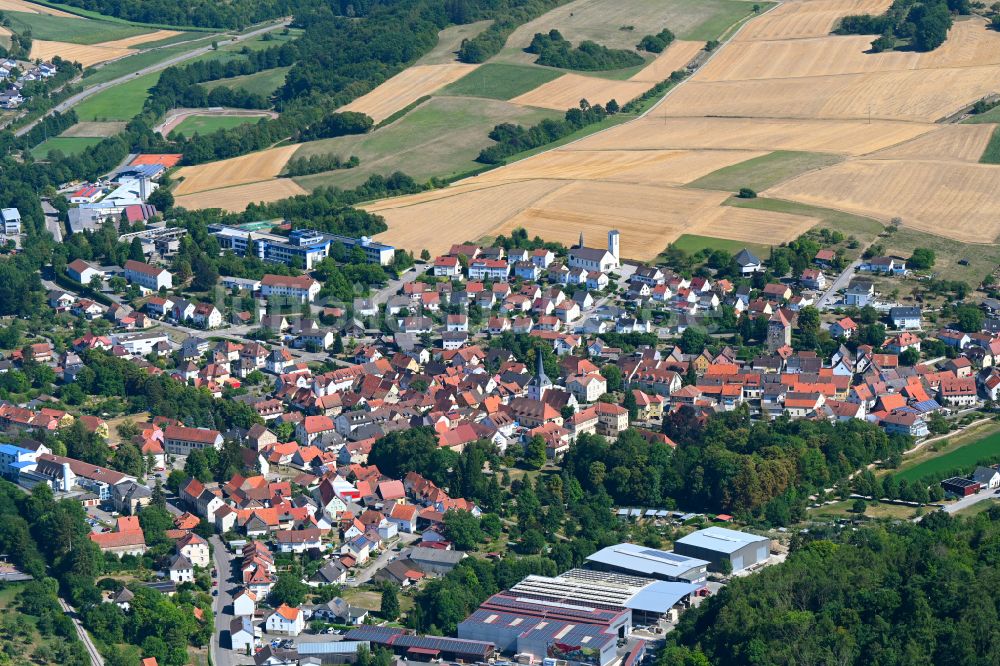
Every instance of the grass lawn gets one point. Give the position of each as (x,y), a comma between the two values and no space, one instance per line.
(122,102)
(208,124)
(501,81)
(143,59)
(441,137)
(991,116)
(880,510)
(691,243)
(262,83)
(960,455)
(765,171)
(992,153)
(67,144)
(73,30)
(620,24)
(976,509)
(175,39)
(862,228)
(450,40)
(369,599)
(980,260)
(259,43)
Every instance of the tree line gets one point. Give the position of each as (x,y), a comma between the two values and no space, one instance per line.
(512,139)
(554,50)
(923,24)
(197,13)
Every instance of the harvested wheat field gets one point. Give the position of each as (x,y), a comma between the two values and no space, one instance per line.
(85,54)
(420,222)
(945,198)
(969,44)
(915,95)
(236,199)
(94,129)
(652,167)
(962,143)
(762,227)
(264,165)
(407,87)
(845,137)
(31,8)
(567,91)
(796,20)
(675,57)
(136,40)
(649,218)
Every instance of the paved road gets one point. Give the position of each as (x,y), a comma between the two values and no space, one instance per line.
(95,657)
(393,287)
(73,100)
(385,557)
(841,282)
(52,223)
(224,562)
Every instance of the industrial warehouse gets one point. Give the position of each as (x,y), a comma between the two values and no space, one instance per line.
(586,615)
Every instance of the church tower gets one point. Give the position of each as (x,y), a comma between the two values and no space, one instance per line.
(540,383)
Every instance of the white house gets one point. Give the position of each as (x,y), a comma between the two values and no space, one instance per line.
(241,635)
(147,276)
(180,569)
(286,620)
(82,271)
(587,388)
(195,549)
(989,477)
(244,604)
(302,288)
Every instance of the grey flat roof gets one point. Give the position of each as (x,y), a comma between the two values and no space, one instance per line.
(660,596)
(720,539)
(647,561)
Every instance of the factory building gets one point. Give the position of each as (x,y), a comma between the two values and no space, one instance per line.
(629,558)
(424,648)
(717,544)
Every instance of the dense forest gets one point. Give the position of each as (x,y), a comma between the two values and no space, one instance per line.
(727,463)
(907,594)
(923,25)
(198,13)
(554,50)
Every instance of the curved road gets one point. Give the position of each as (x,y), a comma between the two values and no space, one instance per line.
(73,100)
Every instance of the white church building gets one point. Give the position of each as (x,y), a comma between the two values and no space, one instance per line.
(592,259)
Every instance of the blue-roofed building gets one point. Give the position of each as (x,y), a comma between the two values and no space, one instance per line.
(139,171)
(629,558)
(649,604)
(14,459)
(718,544)
(305,247)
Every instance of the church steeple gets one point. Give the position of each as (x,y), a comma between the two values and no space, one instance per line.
(540,383)
(580,244)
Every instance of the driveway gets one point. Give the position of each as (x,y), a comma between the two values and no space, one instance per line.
(966,502)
